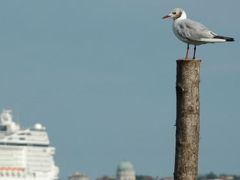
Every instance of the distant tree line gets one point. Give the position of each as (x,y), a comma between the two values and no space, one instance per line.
(212,175)
(207,176)
(142,177)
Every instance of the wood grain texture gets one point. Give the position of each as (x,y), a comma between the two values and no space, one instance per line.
(188,120)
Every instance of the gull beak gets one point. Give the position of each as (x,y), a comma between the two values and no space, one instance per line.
(166,17)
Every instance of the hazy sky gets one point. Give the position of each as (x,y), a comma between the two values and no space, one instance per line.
(100,75)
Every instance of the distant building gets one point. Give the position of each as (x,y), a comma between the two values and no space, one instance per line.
(167,178)
(226,177)
(145,177)
(125,171)
(78,176)
(106,178)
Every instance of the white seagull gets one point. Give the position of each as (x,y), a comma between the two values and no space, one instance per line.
(192,32)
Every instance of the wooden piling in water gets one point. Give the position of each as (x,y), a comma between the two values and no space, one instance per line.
(187,120)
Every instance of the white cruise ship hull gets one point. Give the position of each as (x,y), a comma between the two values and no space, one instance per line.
(25,154)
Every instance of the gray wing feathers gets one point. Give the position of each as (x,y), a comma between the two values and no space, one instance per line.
(192,30)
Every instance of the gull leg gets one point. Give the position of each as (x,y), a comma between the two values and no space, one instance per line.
(186,57)
(194,52)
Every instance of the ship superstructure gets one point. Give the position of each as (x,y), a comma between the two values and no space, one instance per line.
(25,154)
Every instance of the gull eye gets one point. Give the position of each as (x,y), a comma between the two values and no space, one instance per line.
(174,13)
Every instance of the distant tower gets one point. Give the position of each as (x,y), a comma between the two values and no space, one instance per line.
(125,171)
(78,176)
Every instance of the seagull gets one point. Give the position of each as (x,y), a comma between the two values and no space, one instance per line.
(192,32)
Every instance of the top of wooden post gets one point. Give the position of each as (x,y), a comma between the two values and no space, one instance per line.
(189,60)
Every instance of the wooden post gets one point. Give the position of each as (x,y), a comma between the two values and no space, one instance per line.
(188,120)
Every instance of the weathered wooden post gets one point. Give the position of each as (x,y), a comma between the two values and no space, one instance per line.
(188,120)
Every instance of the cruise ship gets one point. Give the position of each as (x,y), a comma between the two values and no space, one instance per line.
(25,154)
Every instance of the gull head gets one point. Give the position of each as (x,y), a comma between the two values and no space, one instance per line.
(177,13)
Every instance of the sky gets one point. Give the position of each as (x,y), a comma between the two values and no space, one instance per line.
(100,75)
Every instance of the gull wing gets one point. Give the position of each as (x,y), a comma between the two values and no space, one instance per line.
(193,31)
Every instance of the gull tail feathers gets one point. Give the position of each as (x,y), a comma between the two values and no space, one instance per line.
(212,40)
(217,39)
(224,37)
